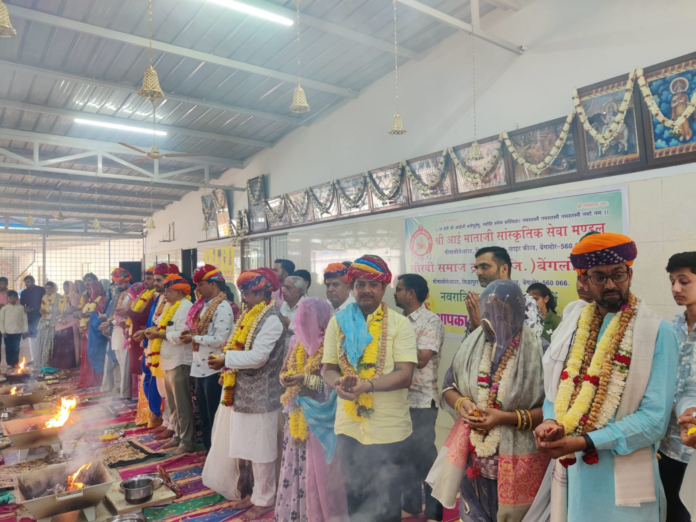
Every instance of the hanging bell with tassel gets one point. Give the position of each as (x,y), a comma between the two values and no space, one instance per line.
(60,216)
(475,152)
(30,221)
(6,28)
(151,224)
(398,126)
(205,226)
(151,87)
(95,224)
(299,101)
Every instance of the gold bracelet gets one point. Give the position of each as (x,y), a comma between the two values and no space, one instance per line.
(519,420)
(458,404)
(531,422)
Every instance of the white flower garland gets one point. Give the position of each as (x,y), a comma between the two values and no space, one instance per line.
(619,374)
(355,201)
(276,217)
(471,174)
(553,153)
(487,445)
(255,197)
(655,110)
(604,139)
(298,213)
(385,197)
(426,187)
(323,209)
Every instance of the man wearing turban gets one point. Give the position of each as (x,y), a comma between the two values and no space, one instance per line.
(119,339)
(609,378)
(209,324)
(338,292)
(175,358)
(369,357)
(253,360)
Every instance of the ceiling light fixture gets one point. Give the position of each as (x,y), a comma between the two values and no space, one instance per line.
(117,126)
(253,11)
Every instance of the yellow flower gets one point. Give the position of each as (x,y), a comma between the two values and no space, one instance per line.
(166,318)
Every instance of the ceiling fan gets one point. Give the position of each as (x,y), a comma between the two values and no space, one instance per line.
(154,153)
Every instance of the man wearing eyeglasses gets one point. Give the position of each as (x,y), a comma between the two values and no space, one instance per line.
(609,377)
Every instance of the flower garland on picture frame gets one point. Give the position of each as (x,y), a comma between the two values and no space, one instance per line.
(540,167)
(392,191)
(604,139)
(254,196)
(655,111)
(427,187)
(354,201)
(300,212)
(273,215)
(472,175)
(321,207)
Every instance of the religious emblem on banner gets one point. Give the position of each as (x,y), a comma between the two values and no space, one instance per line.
(421,242)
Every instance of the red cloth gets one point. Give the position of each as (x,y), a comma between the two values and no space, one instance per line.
(88,377)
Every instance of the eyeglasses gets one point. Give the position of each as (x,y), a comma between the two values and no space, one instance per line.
(601,279)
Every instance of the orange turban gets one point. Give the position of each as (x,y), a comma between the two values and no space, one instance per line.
(176,282)
(335,270)
(603,249)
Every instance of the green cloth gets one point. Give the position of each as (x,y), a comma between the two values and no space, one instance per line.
(152,514)
(551,322)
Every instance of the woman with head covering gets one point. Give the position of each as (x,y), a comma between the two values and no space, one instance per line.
(546,302)
(311,484)
(47,323)
(494,390)
(66,340)
(93,341)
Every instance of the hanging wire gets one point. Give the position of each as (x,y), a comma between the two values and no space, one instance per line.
(475,151)
(298,41)
(396,61)
(150,32)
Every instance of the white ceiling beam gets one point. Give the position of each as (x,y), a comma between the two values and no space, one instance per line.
(463,26)
(107,146)
(140,182)
(80,190)
(84,209)
(112,202)
(42,109)
(103,32)
(506,4)
(133,89)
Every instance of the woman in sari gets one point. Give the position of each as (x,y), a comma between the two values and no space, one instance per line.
(93,341)
(311,485)
(494,389)
(66,341)
(47,323)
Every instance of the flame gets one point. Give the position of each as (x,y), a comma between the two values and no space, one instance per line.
(13,391)
(60,418)
(72,485)
(22,365)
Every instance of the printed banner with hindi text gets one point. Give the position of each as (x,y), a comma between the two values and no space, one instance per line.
(223,258)
(538,234)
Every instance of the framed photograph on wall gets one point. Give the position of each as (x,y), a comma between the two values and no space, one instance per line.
(668,89)
(429,177)
(387,188)
(352,195)
(209,216)
(482,175)
(256,194)
(324,201)
(534,144)
(222,212)
(299,209)
(277,213)
(609,148)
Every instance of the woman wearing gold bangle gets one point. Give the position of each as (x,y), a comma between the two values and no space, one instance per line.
(494,389)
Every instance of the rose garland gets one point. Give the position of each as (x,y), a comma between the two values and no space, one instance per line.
(550,158)
(604,139)
(201,324)
(165,321)
(370,365)
(324,209)
(426,187)
(473,175)
(241,339)
(141,302)
(655,109)
(298,213)
(355,201)
(392,191)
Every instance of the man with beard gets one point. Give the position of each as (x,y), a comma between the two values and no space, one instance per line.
(609,377)
(369,356)
(493,263)
(338,292)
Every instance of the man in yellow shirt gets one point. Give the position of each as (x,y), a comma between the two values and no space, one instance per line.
(369,356)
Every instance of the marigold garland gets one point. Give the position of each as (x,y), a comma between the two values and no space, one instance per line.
(241,339)
(87,311)
(47,302)
(64,300)
(370,365)
(167,317)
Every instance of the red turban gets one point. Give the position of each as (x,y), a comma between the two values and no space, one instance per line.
(207,273)
(258,279)
(603,249)
(176,282)
(119,275)
(372,268)
(166,269)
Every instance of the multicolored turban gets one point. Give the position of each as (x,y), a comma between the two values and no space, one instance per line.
(119,275)
(176,282)
(258,279)
(603,249)
(150,271)
(166,269)
(372,268)
(335,270)
(207,273)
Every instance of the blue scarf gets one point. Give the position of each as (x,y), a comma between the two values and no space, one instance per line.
(352,323)
(320,417)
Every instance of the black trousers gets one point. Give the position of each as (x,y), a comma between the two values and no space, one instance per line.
(672,474)
(12,348)
(371,476)
(208,393)
(419,455)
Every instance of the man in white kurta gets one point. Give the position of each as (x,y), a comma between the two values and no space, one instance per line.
(119,340)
